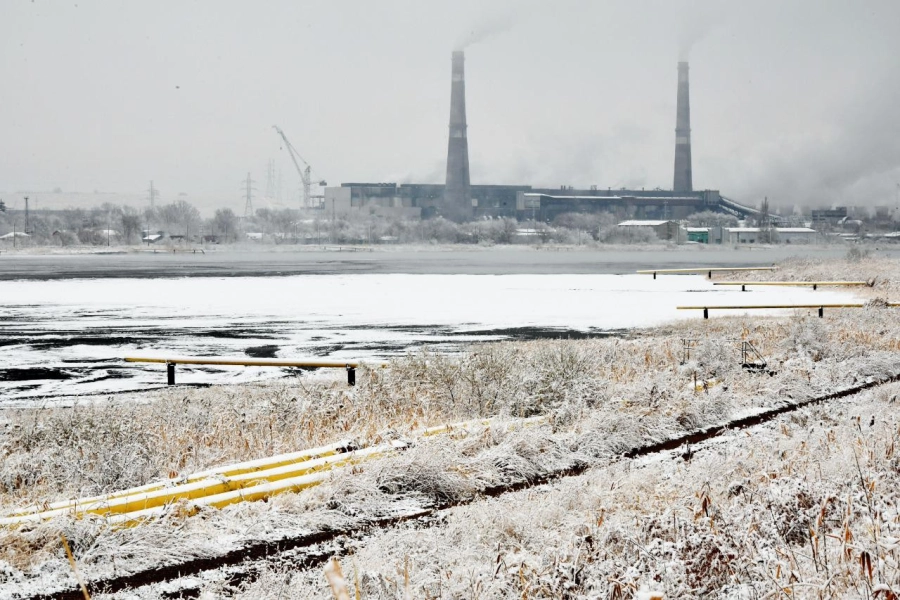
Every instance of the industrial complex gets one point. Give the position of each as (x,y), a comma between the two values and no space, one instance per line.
(459,200)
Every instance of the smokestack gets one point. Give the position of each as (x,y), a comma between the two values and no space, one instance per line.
(457,198)
(683,179)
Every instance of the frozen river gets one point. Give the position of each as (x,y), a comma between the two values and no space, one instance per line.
(67,337)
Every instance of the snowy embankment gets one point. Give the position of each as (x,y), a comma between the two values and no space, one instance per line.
(717,521)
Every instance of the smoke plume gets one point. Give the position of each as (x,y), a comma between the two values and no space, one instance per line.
(487,27)
(697,21)
(856,163)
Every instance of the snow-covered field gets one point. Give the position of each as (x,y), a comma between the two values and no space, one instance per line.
(68,337)
(804,506)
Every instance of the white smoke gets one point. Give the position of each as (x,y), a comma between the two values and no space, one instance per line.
(856,163)
(488,26)
(697,20)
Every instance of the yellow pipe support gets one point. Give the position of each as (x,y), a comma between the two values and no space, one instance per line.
(249,466)
(704,270)
(206,487)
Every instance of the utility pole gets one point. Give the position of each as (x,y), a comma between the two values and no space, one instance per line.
(26,216)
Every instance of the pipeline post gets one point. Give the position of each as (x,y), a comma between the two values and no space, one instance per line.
(705,313)
(743,288)
(710,275)
(170,372)
(821,311)
(814,286)
(654,274)
(351,375)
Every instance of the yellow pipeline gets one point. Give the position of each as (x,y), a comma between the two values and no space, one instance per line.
(793,283)
(707,384)
(293,484)
(205,487)
(233,481)
(249,466)
(252,362)
(742,307)
(466,425)
(250,494)
(705,270)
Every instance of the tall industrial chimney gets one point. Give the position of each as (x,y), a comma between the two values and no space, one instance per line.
(457,198)
(683,179)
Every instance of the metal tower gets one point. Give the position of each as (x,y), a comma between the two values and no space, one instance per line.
(248,191)
(153,194)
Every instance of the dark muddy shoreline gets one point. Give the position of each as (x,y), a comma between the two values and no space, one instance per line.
(449,261)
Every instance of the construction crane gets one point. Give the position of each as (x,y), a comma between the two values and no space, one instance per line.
(305,174)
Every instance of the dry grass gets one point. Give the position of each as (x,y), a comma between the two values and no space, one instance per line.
(603,397)
(805,508)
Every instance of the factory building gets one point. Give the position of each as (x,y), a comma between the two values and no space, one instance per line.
(517,201)
(459,200)
(664,230)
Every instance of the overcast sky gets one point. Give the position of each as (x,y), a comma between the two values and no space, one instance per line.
(797,100)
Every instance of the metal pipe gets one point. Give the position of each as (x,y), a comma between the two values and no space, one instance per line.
(814,284)
(207,487)
(250,466)
(747,307)
(704,270)
(259,362)
(252,362)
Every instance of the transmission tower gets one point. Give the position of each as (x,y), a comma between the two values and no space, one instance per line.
(248,191)
(154,194)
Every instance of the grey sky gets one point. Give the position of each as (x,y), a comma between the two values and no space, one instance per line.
(796,100)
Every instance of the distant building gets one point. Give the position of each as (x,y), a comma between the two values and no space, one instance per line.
(697,234)
(829,216)
(522,201)
(664,230)
(14,235)
(782,235)
(795,235)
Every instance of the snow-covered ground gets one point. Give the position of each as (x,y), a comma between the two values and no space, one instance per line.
(68,337)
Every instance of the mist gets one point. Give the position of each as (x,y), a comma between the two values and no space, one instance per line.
(794,101)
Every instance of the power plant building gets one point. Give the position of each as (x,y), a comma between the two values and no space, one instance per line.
(459,200)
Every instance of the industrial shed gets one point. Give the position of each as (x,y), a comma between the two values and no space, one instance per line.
(664,230)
